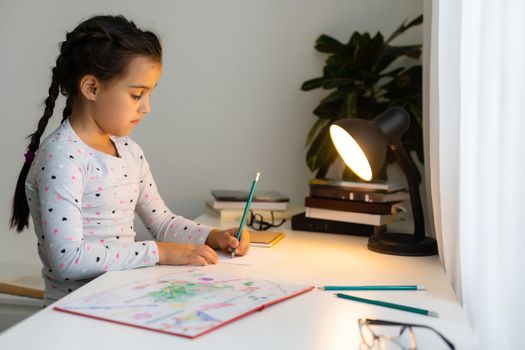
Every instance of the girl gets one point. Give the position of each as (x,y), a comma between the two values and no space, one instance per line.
(86,180)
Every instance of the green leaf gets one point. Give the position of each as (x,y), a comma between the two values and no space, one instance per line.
(348,107)
(407,86)
(404,27)
(321,151)
(340,75)
(370,107)
(393,73)
(328,44)
(312,84)
(337,95)
(319,124)
(333,83)
(329,110)
(391,53)
(368,50)
(413,51)
(353,42)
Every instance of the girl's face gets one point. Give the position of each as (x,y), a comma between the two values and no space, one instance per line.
(121,104)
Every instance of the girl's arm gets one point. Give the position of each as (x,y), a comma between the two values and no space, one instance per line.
(158,218)
(60,185)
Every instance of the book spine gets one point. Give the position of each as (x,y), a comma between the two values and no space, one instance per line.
(234,214)
(348,205)
(345,194)
(302,223)
(357,218)
(358,185)
(254,205)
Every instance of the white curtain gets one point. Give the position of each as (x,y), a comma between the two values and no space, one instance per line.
(476,139)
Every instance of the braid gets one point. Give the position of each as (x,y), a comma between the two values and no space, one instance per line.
(48,112)
(20,207)
(68,109)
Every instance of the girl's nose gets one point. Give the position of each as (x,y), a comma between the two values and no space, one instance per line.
(145,107)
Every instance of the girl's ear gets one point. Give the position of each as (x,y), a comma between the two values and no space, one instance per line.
(89,87)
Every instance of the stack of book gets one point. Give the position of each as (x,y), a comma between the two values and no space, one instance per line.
(229,205)
(358,208)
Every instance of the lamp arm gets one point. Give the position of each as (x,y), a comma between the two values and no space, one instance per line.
(412,177)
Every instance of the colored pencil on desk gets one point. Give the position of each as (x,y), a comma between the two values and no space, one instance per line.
(246,209)
(393,287)
(390,305)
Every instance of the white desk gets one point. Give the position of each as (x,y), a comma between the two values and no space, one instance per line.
(315,320)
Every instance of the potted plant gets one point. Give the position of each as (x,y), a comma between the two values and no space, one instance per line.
(363,83)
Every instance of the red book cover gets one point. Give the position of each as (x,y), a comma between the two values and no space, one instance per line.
(188,303)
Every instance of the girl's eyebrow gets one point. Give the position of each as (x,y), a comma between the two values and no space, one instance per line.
(142,87)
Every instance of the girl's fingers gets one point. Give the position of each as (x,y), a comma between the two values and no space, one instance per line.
(244,245)
(197,260)
(232,242)
(208,254)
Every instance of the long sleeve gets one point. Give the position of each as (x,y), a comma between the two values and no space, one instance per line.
(61,183)
(158,218)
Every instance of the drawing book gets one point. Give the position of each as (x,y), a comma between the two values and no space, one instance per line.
(188,303)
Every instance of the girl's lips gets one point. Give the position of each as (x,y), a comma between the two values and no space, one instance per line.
(135,122)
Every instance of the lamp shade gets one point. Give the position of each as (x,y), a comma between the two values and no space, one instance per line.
(361,144)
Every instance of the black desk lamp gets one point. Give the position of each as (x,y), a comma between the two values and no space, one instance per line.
(362,144)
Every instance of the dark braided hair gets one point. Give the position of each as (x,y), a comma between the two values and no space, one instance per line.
(102,46)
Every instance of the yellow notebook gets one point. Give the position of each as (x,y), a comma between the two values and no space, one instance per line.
(265,238)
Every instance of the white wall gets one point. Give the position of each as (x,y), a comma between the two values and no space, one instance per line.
(228,103)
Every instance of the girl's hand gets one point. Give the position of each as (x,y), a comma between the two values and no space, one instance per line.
(225,240)
(186,254)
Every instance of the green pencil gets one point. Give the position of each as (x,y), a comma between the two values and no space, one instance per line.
(246,209)
(390,305)
(395,287)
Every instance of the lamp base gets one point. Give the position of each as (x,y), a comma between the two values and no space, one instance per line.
(402,244)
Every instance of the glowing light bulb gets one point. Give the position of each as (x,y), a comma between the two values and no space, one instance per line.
(351,153)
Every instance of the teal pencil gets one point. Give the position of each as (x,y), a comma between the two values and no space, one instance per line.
(399,287)
(390,305)
(246,209)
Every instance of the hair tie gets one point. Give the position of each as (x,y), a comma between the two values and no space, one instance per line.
(29,156)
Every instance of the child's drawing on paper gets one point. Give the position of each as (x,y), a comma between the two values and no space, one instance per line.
(189,302)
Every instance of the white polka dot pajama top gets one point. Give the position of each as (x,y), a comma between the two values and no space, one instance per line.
(83,204)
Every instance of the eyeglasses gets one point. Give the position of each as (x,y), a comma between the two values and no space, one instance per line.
(256,221)
(378,334)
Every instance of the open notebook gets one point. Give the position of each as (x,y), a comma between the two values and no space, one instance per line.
(188,303)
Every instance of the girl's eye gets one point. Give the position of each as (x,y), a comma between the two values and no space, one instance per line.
(136,97)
